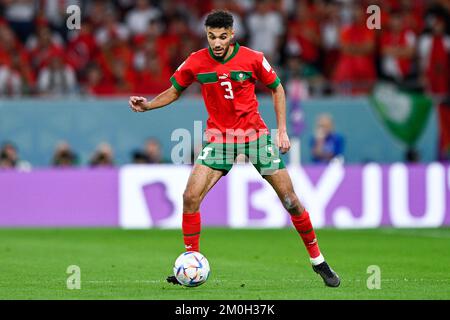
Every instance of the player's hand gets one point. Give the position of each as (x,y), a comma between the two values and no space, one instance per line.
(283,141)
(138,104)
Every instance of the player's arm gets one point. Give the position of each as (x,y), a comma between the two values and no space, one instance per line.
(181,79)
(269,78)
(140,104)
(279,102)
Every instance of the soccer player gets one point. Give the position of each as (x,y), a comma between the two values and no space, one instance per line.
(227,73)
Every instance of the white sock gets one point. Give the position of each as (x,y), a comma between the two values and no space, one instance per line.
(317,260)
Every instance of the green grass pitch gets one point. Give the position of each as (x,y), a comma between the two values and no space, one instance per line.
(245,264)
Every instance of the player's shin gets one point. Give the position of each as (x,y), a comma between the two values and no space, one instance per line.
(303,225)
(191,231)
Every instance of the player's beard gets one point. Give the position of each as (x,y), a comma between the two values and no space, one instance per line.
(225,52)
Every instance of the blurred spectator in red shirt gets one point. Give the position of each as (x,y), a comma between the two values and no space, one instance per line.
(95,12)
(152,41)
(434,52)
(16,77)
(304,35)
(330,32)
(95,83)
(173,42)
(355,71)
(43,27)
(40,51)
(121,82)
(154,77)
(397,49)
(412,16)
(81,48)
(124,78)
(112,38)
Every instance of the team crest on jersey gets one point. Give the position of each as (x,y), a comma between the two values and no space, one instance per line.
(270,151)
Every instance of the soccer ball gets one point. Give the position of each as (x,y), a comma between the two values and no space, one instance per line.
(191,269)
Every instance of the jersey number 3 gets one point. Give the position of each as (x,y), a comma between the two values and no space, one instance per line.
(228,89)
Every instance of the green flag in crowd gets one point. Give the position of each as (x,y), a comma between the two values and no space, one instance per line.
(404,114)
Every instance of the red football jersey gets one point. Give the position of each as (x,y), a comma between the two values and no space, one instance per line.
(228,89)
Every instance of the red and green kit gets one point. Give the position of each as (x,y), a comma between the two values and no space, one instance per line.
(228,89)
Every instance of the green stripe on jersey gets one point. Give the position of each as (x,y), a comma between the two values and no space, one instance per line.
(176,84)
(274,84)
(240,75)
(209,77)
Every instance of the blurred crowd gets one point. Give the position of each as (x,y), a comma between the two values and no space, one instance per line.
(64,155)
(132,46)
(326,145)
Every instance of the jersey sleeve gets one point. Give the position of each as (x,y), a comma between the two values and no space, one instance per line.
(265,73)
(184,75)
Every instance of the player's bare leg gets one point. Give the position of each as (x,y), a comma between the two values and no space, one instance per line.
(282,184)
(201,180)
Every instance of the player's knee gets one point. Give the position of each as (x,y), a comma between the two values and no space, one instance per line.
(190,199)
(292,204)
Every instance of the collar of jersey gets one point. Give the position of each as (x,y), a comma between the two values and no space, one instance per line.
(235,51)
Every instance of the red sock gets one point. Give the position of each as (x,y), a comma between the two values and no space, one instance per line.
(303,225)
(191,231)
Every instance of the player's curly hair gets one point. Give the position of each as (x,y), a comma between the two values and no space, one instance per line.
(219,19)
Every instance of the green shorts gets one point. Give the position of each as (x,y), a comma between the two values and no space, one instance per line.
(262,153)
